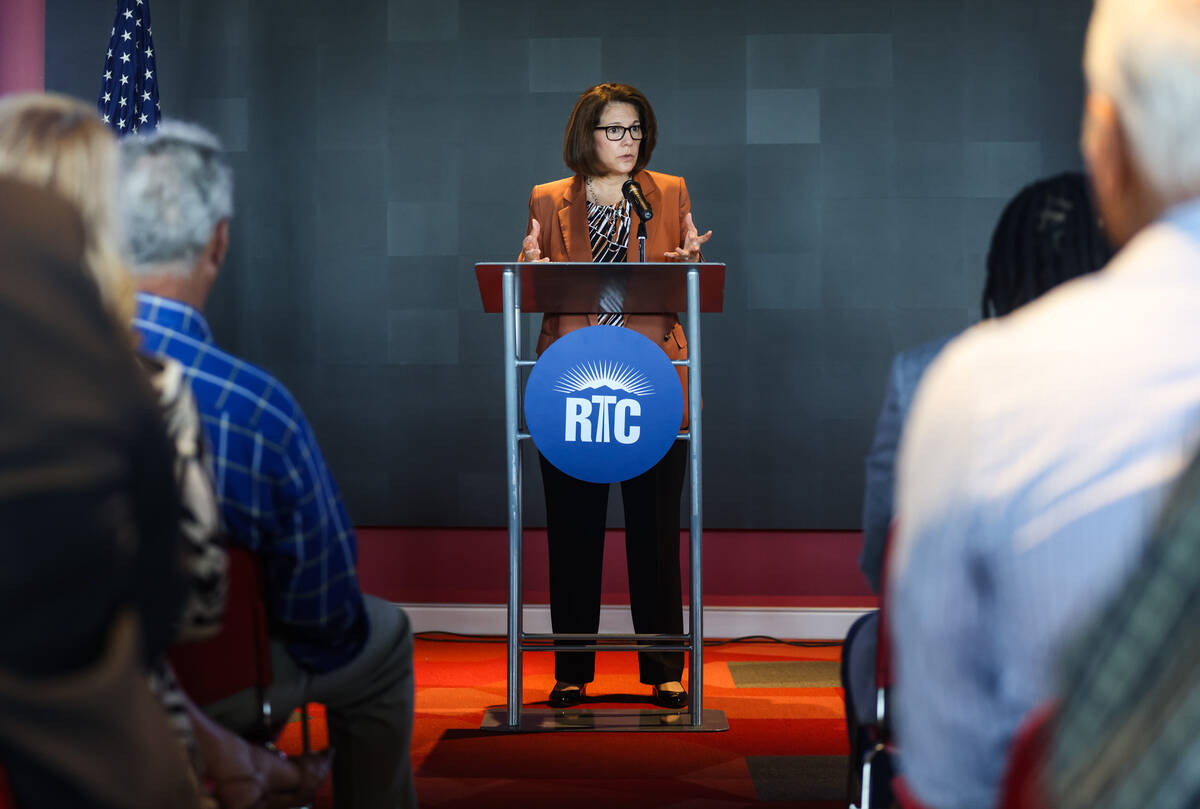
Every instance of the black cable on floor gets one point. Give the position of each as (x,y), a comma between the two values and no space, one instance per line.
(458,637)
(804,644)
(439,636)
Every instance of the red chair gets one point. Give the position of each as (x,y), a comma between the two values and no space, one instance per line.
(238,657)
(7,801)
(1023,787)
(904,797)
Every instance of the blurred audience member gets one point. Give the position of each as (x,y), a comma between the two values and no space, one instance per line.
(1040,446)
(332,644)
(60,143)
(92,579)
(1048,233)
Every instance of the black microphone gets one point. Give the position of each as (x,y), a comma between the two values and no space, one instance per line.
(637,200)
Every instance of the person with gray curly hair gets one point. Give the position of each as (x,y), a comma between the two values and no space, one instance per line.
(177,195)
(1041,446)
(331,643)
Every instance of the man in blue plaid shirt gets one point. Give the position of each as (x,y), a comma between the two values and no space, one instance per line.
(331,644)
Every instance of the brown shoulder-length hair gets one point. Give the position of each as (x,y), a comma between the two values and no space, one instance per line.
(579,145)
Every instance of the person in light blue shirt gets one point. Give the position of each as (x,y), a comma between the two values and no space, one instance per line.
(1041,446)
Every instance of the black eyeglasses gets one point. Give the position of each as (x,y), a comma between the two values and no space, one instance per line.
(617,132)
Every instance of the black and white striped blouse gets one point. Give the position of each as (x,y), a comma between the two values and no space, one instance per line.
(608,233)
(201,532)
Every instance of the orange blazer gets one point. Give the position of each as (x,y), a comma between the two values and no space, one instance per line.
(560,208)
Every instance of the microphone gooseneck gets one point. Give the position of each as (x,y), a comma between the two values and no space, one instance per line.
(637,200)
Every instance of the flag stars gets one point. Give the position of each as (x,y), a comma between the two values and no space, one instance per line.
(125,106)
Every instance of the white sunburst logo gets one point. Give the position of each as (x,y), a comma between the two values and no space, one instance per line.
(593,375)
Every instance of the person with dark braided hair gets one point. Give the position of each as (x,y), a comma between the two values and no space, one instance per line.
(1049,233)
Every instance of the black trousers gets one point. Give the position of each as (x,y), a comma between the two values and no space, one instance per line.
(575,514)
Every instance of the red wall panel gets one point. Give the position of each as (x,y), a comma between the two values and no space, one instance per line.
(741,568)
(22,45)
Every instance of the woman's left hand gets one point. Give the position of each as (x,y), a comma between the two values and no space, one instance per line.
(690,251)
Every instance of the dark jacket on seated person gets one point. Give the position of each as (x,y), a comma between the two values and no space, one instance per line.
(907,369)
(92,580)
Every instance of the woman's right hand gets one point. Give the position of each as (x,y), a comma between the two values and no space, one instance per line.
(531,248)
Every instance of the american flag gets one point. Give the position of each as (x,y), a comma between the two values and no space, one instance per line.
(129,93)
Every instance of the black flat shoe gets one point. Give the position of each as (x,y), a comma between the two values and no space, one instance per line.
(670,699)
(564,695)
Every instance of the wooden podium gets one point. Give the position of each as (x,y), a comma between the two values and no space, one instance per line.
(645,288)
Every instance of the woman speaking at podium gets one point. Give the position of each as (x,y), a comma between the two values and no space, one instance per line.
(587,217)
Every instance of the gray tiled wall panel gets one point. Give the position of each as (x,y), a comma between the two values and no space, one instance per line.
(851,158)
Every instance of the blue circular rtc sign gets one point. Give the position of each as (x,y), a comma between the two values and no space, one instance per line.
(603,404)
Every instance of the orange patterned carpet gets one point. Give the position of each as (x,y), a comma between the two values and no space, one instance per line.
(786,746)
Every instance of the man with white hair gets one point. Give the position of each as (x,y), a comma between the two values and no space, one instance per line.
(331,644)
(1041,446)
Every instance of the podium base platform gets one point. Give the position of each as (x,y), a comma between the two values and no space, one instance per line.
(624,720)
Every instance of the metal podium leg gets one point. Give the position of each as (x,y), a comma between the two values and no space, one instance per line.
(696,664)
(514,500)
